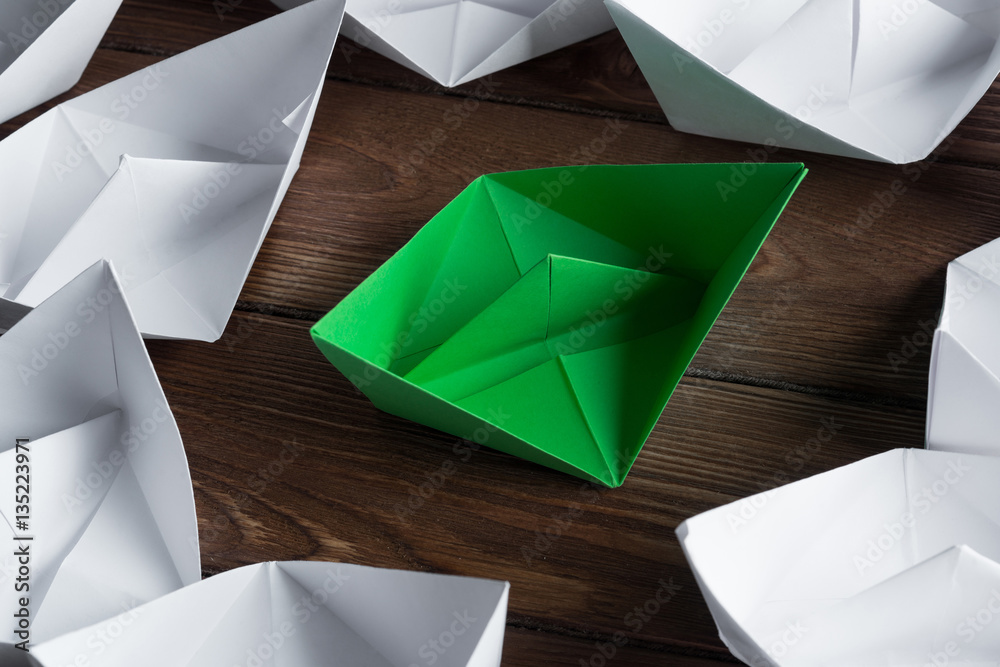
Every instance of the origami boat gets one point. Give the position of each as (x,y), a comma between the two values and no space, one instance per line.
(891,561)
(551,313)
(964,384)
(457,41)
(878,79)
(44,47)
(302,614)
(175,173)
(106,518)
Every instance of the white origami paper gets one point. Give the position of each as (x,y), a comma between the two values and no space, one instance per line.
(110,507)
(963,397)
(891,561)
(44,47)
(302,614)
(457,41)
(877,79)
(174,173)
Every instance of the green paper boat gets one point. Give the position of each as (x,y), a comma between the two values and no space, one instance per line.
(551,313)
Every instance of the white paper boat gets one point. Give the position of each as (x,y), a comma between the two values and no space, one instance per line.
(882,80)
(457,41)
(882,562)
(44,47)
(963,397)
(174,173)
(111,508)
(303,614)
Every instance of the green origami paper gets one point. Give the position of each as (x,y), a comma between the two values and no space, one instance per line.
(551,313)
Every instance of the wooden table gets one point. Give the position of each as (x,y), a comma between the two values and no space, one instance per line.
(830,326)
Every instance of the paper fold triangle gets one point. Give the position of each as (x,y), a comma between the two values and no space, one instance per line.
(174,172)
(113,517)
(45,46)
(457,41)
(873,80)
(294,614)
(550,313)
(807,573)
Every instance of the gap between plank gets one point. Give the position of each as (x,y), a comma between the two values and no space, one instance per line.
(691,372)
(511,100)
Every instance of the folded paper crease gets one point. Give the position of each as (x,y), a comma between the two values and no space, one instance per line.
(175,173)
(112,512)
(550,313)
(357,615)
(809,573)
(455,42)
(873,80)
(44,48)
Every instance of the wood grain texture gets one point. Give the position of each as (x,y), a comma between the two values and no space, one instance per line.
(598,76)
(818,330)
(353,491)
(828,305)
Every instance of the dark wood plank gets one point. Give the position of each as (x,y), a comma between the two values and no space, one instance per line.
(596,76)
(346,493)
(808,337)
(828,302)
(831,303)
